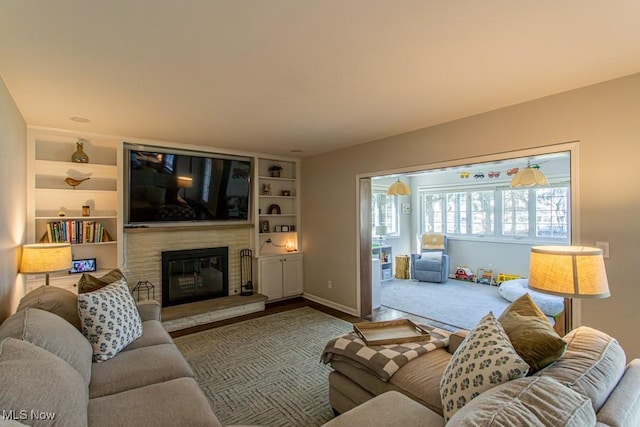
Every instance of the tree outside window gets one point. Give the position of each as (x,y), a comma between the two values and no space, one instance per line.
(535,214)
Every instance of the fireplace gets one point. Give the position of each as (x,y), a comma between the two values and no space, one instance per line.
(194,275)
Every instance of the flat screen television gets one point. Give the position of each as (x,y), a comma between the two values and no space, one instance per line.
(164,185)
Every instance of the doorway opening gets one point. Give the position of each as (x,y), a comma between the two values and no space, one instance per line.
(489,225)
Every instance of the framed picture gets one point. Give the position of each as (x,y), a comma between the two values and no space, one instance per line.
(278,228)
(285,228)
(406,208)
(264,226)
(83,265)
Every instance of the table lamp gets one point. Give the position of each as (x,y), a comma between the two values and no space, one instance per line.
(45,258)
(568,271)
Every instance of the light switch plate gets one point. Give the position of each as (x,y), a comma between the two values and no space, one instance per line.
(605,248)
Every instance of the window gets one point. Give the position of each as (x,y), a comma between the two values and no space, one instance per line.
(482,212)
(534,214)
(552,212)
(384,211)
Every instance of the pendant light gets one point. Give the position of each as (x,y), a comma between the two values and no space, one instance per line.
(398,188)
(529,177)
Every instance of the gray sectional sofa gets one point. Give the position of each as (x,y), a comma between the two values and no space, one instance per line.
(46,371)
(590,384)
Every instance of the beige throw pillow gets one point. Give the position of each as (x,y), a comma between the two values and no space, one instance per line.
(52,333)
(531,334)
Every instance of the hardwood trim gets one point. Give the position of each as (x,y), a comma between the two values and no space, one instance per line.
(271,308)
(365,248)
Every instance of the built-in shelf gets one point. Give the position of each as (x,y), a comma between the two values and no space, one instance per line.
(49,157)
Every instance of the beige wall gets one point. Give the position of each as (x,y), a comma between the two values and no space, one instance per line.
(605,118)
(13,189)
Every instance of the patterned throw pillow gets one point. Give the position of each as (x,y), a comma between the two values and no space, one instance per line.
(109,319)
(484,360)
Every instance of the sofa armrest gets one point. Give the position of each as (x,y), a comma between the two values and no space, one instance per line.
(149,310)
(622,408)
(456,339)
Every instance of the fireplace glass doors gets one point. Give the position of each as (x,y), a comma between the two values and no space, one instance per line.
(194,275)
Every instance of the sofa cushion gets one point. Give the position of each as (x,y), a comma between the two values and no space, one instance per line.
(622,408)
(484,360)
(110,319)
(32,379)
(153,333)
(89,283)
(183,403)
(419,378)
(52,333)
(54,300)
(531,401)
(388,409)
(531,334)
(592,364)
(138,368)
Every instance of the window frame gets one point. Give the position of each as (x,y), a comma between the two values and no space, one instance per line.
(498,213)
(394,230)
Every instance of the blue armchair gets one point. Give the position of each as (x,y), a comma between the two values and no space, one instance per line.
(432,263)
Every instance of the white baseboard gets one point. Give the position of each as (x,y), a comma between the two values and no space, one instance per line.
(339,307)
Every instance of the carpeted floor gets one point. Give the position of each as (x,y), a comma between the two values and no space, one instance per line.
(457,303)
(266,371)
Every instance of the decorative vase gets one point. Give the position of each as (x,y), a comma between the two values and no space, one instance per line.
(80,156)
(275,173)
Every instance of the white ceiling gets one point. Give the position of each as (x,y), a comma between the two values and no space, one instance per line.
(279,75)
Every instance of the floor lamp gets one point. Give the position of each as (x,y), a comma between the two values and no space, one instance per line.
(45,258)
(570,272)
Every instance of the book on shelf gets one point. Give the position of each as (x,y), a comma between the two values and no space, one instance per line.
(75,232)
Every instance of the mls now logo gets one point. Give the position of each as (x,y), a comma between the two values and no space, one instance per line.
(23,414)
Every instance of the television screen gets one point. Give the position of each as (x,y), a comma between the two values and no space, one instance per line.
(167,185)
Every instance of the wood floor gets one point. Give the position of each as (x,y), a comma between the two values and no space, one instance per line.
(383,313)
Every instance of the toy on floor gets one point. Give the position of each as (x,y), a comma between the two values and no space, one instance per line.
(503,277)
(464,273)
(485,277)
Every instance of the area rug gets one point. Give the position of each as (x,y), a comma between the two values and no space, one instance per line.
(266,371)
(456,303)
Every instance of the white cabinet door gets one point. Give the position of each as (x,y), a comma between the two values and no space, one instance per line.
(292,275)
(271,277)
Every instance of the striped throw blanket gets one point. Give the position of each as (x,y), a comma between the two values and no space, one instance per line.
(382,360)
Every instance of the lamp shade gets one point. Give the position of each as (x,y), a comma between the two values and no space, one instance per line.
(185,182)
(529,177)
(45,258)
(568,271)
(398,188)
